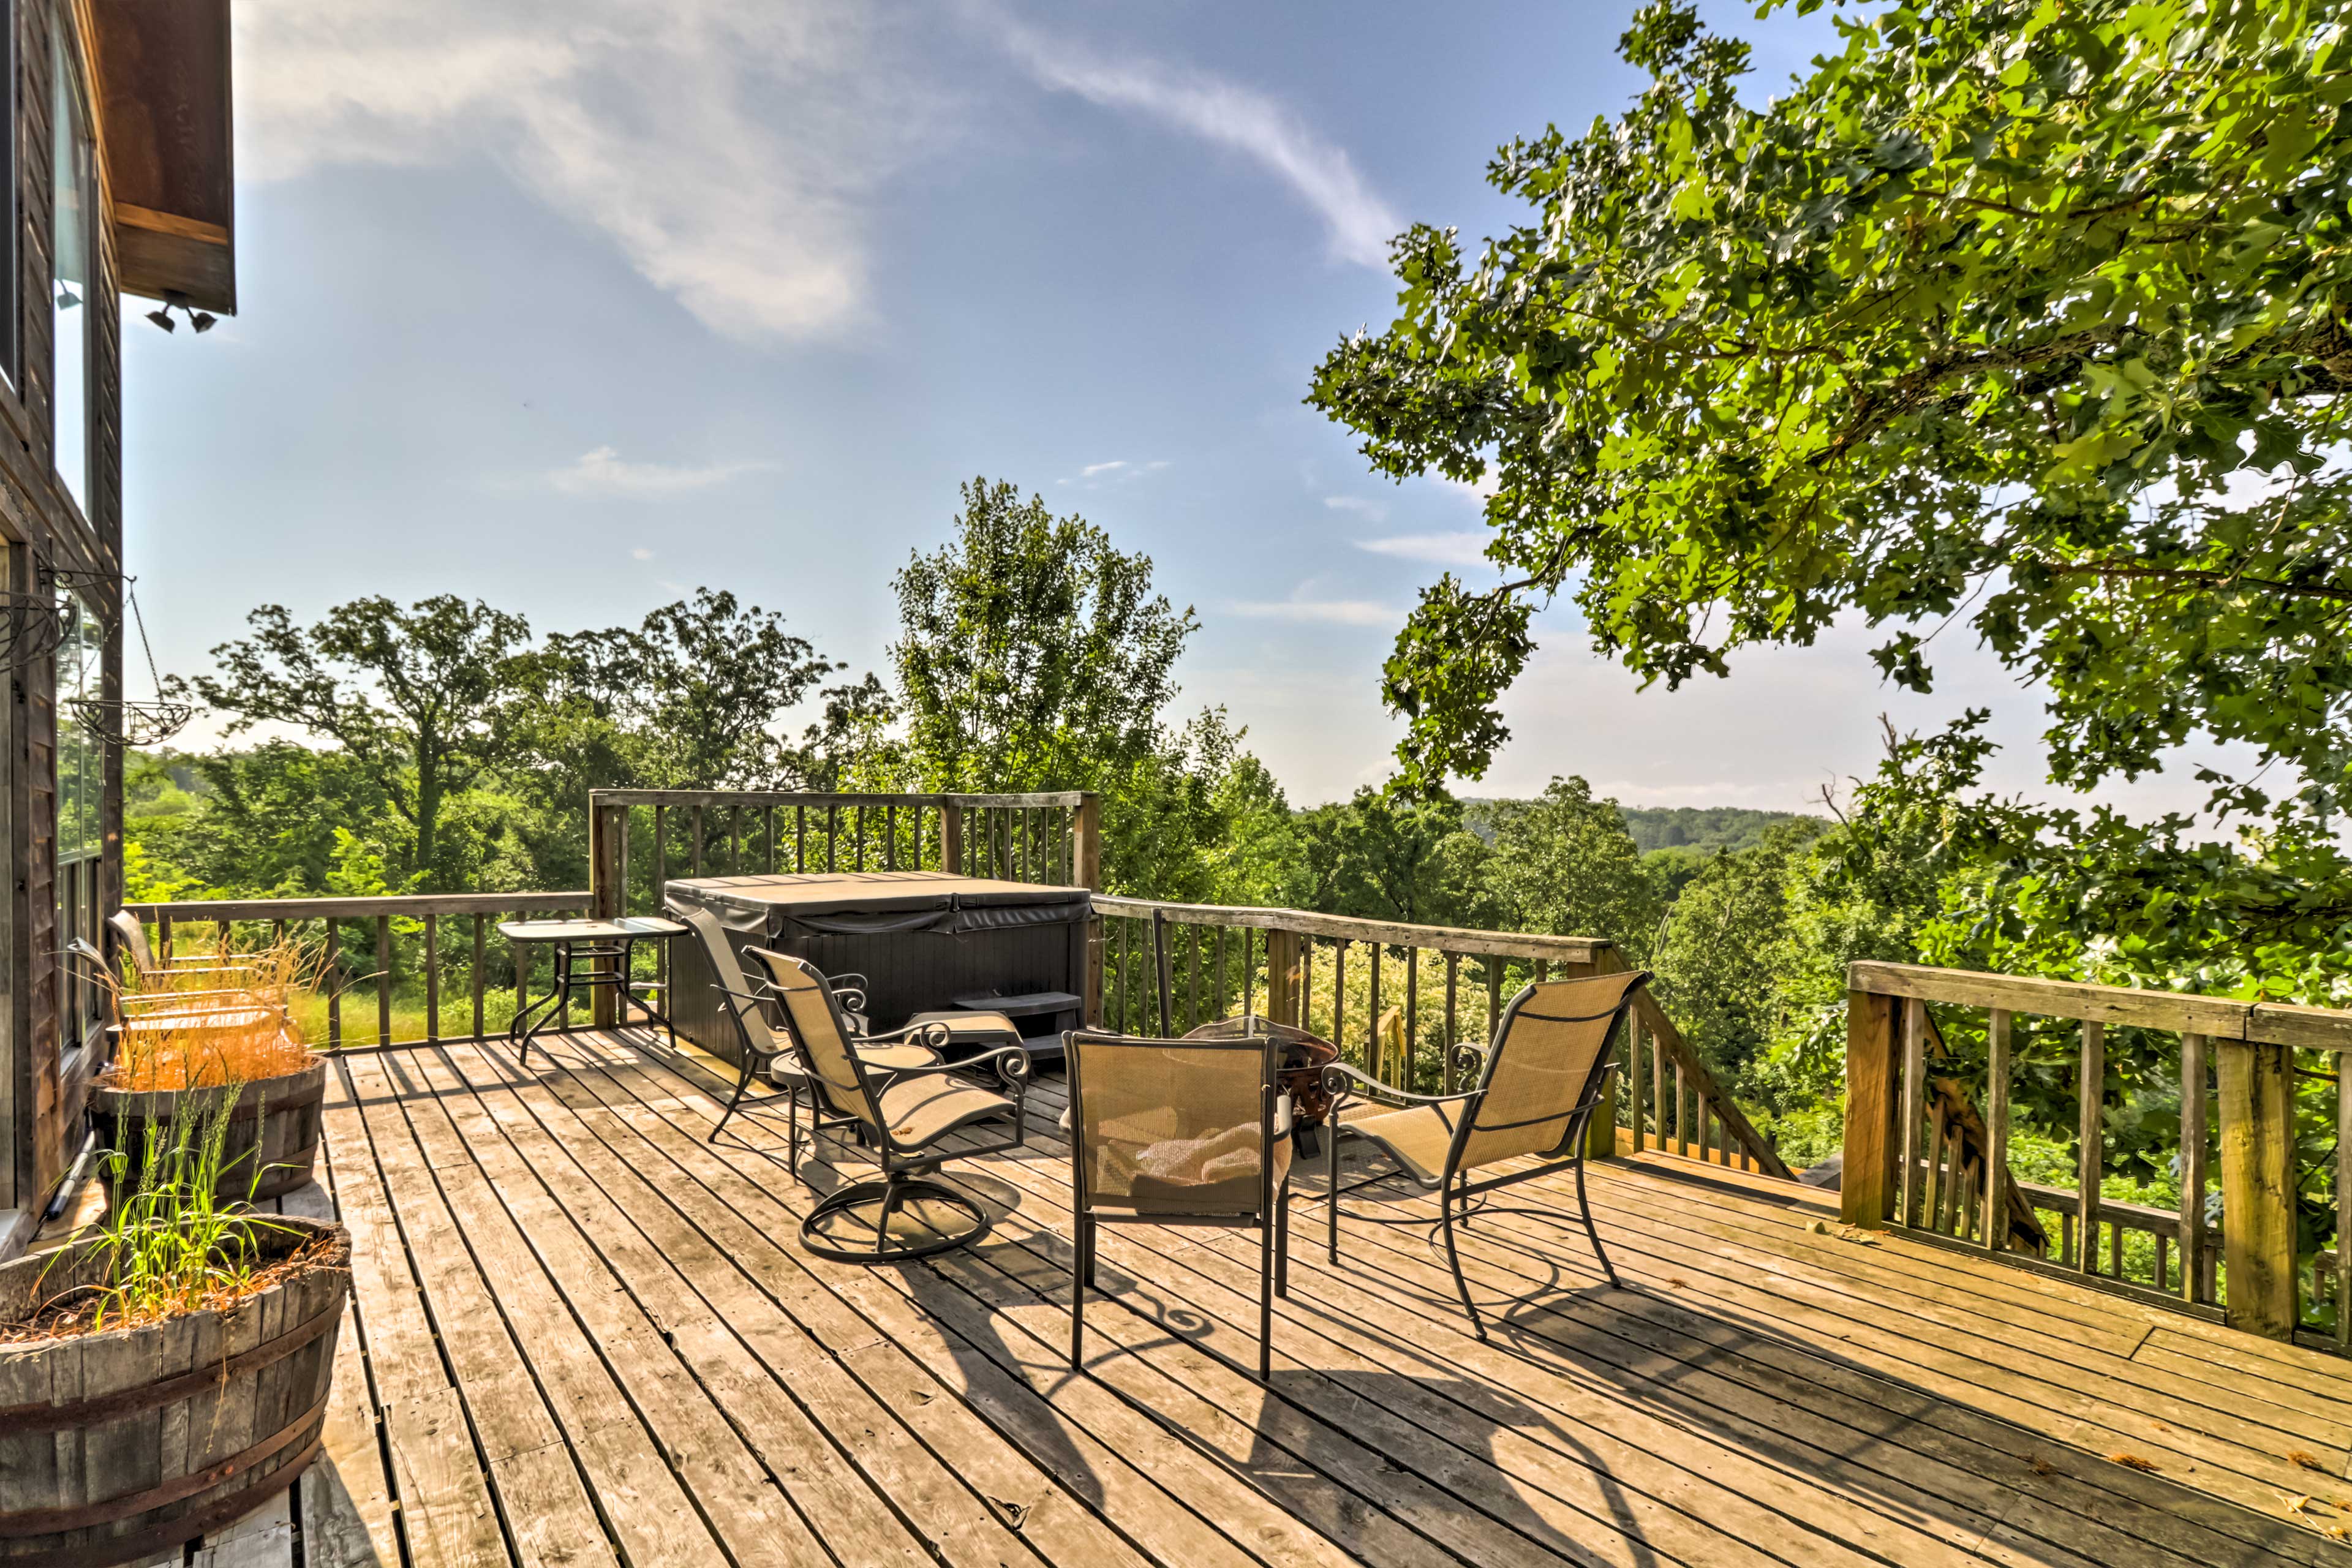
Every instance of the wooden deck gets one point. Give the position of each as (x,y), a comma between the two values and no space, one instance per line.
(585,1335)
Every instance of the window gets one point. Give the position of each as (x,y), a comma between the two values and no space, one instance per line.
(73,248)
(8,199)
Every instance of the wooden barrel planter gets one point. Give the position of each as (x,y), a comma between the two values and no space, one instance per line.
(273,1128)
(116,1445)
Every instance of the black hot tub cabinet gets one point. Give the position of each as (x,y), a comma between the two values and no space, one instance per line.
(921,938)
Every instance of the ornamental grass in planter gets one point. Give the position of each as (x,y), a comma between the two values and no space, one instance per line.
(180,1052)
(166,1372)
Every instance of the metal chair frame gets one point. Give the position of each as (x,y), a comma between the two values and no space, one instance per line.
(1271,1220)
(756,1062)
(902,1164)
(1453,1185)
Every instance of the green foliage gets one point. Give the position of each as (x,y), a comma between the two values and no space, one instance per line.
(1033,655)
(1725,949)
(2025,313)
(1564,863)
(1378,856)
(1702,828)
(411,698)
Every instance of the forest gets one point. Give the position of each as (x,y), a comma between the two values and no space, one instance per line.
(444,746)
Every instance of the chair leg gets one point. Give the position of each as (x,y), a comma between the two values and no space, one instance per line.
(792,1133)
(890,1201)
(1265,1298)
(1453,1260)
(1331,1174)
(734,1100)
(1585,1210)
(1081,1272)
(1282,1243)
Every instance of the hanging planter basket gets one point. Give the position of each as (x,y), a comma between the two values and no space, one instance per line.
(149,723)
(31,626)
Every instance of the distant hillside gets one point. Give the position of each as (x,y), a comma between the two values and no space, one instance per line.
(1701,827)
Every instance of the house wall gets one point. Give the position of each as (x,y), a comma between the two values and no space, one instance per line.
(42,1097)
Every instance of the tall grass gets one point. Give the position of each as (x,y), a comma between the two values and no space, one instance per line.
(181,1035)
(169,1243)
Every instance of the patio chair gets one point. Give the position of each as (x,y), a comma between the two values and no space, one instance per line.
(763,1054)
(903,1119)
(1535,1094)
(1194,1131)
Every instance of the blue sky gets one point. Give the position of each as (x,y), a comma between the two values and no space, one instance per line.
(574,307)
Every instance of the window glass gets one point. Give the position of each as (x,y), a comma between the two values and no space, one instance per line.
(70,309)
(81,759)
(81,750)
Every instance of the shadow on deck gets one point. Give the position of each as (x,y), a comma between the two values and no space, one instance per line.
(584,1335)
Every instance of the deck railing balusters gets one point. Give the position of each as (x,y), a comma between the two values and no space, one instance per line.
(2091,1162)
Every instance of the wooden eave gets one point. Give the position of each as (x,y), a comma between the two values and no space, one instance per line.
(161,78)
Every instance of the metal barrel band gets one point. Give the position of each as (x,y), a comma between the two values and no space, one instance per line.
(48,1417)
(51,1520)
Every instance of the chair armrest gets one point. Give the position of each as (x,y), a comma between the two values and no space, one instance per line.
(1012,1063)
(851,978)
(1339,1080)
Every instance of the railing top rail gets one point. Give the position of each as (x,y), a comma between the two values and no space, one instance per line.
(2216,1017)
(1448,939)
(396,904)
(1068,797)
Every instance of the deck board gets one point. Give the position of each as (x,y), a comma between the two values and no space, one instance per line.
(583,1334)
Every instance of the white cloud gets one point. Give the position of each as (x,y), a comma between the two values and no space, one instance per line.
(1118,471)
(1356,504)
(1464,549)
(1321,612)
(641,553)
(724,147)
(1229,115)
(604,472)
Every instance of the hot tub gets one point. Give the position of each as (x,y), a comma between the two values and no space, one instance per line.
(922,938)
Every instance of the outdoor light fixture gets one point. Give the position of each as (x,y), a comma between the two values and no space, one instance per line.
(162,315)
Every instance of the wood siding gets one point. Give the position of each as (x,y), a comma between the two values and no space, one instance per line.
(43,528)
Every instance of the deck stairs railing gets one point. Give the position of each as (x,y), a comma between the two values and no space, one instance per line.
(1915,1035)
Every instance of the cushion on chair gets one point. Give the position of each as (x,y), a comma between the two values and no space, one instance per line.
(924,1110)
(1416,1137)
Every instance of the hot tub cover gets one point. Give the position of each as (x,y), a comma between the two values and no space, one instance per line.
(868,903)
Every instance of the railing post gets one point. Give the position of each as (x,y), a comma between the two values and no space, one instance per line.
(1864,1197)
(1086,868)
(950,837)
(1282,976)
(2257,1117)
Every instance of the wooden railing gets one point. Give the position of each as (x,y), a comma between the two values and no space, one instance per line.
(2237,1095)
(397,951)
(1169,967)
(639,839)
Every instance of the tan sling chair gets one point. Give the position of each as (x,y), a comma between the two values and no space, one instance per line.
(1535,1095)
(763,1054)
(900,1118)
(1179,1133)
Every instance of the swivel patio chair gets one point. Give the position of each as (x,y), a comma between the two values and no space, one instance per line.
(1192,1131)
(764,1056)
(901,1118)
(1535,1095)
